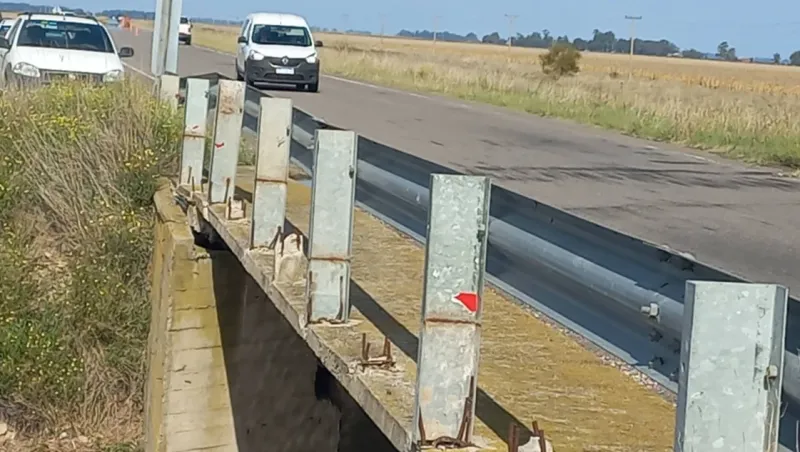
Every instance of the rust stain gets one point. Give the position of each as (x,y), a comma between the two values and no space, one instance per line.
(331,259)
(452,321)
(273,181)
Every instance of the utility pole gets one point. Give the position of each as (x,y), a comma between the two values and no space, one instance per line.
(164,50)
(511,18)
(383,28)
(435,27)
(633,20)
(345,20)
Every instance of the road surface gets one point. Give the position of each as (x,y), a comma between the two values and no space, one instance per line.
(725,214)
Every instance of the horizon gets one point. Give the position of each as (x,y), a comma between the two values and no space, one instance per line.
(707,25)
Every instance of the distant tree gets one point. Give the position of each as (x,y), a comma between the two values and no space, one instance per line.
(794,58)
(562,59)
(493,38)
(726,52)
(694,54)
(776,58)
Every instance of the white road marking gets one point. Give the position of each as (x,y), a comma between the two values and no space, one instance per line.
(383,88)
(699,157)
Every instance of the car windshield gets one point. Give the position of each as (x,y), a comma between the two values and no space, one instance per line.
(184,20)
(281,35)
(64,35)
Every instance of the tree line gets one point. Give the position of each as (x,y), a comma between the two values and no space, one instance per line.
(602,41)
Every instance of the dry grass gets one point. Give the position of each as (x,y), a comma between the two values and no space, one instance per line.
(78,167)
(746,111)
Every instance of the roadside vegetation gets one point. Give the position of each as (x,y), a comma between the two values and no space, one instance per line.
(78,168)
(743,111)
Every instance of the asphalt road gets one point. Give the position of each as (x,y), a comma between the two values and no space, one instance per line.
(725,214)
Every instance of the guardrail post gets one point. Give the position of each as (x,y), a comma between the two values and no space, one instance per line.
(731,368)
(272,171)
(449,340)
(227,137)
(168,88)
(194,132)
(331,228)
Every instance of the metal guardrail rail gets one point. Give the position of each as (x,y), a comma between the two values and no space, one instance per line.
(623,294)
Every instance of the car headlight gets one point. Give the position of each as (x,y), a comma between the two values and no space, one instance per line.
(311,59)
(112,76)
(255,56)
(27,70)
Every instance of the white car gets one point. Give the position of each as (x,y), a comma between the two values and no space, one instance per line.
(5,25)
(185,31)
(46,47)
(278,48)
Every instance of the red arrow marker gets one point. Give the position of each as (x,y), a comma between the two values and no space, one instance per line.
(219,145)
(469,300)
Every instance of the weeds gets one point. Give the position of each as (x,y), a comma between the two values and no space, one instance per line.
(78,169)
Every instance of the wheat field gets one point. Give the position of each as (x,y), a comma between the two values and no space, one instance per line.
(742,110)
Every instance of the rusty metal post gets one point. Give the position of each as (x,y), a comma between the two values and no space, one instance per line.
(168,89)
(331,228)
(449,340)
(731,369)
(272,171)
(227,137)
(194,131)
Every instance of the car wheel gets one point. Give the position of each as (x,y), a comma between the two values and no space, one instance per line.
(239,75)
(189,42)
(313,87)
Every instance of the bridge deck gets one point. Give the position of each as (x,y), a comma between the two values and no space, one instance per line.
(529,370)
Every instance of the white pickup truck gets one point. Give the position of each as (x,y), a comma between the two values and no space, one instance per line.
(185,31)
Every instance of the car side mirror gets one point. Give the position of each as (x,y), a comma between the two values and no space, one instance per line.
(318,44)
(4,44)
(242,40)
(125,52)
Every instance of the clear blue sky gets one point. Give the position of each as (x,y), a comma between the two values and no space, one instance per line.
(755,28)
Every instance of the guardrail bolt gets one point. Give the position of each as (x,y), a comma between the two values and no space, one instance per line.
(651,311)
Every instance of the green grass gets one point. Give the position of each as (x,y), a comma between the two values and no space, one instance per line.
(78,168)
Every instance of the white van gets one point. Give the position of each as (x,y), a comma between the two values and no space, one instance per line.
(185,31)
(277,48)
